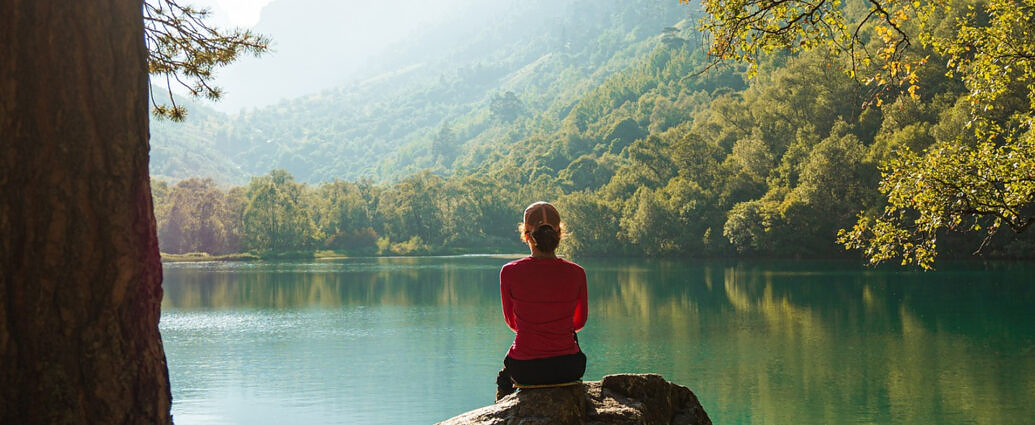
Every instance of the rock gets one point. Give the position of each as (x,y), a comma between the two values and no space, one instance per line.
(645,399)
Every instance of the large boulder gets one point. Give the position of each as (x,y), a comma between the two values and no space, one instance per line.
(645,399)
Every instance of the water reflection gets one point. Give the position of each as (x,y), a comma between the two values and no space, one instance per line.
(416,340)
(375,281)
(829,343)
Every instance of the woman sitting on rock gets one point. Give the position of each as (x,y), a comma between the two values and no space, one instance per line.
(544,303)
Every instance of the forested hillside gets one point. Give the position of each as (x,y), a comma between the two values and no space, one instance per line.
(191,148)
(546,54)
(642,153)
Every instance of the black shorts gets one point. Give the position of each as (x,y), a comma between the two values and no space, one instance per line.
(549,370)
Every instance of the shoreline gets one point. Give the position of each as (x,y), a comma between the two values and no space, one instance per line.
(201,257)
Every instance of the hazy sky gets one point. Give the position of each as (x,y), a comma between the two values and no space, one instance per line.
(238,13)
(321,44)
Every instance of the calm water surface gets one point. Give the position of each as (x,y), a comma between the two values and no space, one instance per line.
(418,340)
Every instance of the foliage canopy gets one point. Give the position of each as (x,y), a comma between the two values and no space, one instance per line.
(982,179)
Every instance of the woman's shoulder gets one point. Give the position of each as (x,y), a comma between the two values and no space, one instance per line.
(533,262)
(569,263)
(573,266)
(518,262)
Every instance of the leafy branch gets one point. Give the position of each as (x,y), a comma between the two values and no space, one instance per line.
(744,30)
(185,50)
(988,45)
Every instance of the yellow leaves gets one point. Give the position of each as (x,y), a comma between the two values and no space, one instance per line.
(900,17)
(884,33)
(912,92)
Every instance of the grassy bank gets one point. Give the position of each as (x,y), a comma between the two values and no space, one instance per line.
(322,254)
(204,256)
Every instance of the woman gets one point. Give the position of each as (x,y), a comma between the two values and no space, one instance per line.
(544,303)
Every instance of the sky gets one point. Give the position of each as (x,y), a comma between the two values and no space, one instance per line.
(320,44)
(237,13)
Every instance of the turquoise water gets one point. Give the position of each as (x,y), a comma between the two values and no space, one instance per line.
(419,340)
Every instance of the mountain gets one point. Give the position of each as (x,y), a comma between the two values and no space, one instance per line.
(321,43)
(432,102)
(189,149)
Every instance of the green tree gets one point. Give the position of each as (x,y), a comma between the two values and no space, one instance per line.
(622,134)
(506,107)
(444,145)
(412,208)
(694,214)
(748,226)
(196,217)
(591,225)
(954,185)
(277,216)
(479,213)
(951,186)
(834,183)
(647,223)
(236,202)
(586,172)
(344,216)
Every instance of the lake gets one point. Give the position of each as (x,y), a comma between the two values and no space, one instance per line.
(419,340)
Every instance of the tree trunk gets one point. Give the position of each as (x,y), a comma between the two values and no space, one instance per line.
(80,276)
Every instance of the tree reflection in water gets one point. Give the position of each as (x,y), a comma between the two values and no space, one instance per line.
(764,342)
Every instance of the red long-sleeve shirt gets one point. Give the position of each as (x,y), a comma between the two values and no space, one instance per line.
(544,302)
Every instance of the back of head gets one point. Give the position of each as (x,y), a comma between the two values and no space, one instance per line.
(543,225)
(546,238)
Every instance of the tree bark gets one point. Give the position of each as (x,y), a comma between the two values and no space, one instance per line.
(80,275)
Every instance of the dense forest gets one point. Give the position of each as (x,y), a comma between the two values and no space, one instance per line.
(645,146)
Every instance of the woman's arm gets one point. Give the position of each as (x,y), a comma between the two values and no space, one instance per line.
(581,305)
(508,303)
